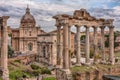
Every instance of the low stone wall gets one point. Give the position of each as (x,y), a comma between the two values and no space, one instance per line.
(110,77)
(93,75)
(96,74)
(63,75)
(24,59)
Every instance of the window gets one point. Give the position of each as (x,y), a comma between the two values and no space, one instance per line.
(30,46)
(25,31)
(29,33)
(44,53)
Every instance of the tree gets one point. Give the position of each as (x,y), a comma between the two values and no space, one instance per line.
(10,51)
(107,40)
(116,34)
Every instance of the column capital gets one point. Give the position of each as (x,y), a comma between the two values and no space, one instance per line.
(57,25)
(94,27)
(102,27)
(87,26)
(111,26)
(65,24)
(5,18)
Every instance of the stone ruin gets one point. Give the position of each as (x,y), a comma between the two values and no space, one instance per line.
(78,19)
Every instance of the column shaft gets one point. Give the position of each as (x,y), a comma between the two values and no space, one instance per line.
(65,47)
(4,51)
(78,46)
(59,46)
(95,44)
(87,47)
(103,43)
(111,45)
(69,40)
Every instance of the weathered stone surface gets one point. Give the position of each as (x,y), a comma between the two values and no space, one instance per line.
(4,48)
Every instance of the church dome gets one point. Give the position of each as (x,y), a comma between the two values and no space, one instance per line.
(27,18)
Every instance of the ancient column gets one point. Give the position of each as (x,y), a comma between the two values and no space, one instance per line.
(65,47)
(59,47)
(87,45)
(95,44)
(4,50)
(51,54)
(1,35)
(69,41)
(78,56)
(111,45)
(38,52)
(102,43)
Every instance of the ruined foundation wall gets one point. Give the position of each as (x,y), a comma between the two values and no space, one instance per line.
(93,75)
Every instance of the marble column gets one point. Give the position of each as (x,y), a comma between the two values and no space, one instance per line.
(111,45)
(78,50)
(1,29)
(4,50)
(38,52)
(51,55)
(59,46)
(87,45)
(103,43)
(95,45)
(69,41)
(65,47)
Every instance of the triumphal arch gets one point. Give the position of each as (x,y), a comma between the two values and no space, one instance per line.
(78,19)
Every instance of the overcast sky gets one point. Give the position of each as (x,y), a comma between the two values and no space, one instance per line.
(43,10)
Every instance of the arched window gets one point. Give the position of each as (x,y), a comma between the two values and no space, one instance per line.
(30,46)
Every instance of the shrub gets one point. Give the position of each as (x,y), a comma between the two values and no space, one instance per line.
(45,71)
(116,60)
(17,61)
(17,74)
(34,67)
(36,72)
(10,51)
(91,52)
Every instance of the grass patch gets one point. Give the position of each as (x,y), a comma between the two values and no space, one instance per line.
(17,74)
(91,68)
(50,78)
(35,67)
(17,61)
(117,54)
(1,78)
(39,70)
(81,69)
(17,70)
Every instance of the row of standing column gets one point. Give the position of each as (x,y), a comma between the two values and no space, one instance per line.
(66,45)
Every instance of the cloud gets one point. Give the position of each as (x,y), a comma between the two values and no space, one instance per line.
(43,10)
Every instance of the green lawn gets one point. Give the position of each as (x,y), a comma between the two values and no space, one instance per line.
(50,78)
(117,54)
(81,68)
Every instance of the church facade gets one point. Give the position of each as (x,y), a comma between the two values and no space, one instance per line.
(24,38)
